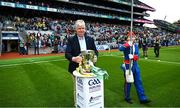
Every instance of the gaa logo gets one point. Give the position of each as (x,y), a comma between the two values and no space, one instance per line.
(93,82)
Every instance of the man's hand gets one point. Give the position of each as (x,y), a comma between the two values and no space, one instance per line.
(95,59)
(77,59)
(130,56)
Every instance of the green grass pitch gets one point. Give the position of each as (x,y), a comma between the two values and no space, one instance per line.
(45,82)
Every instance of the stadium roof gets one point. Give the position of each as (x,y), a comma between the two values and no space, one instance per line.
(137,4)
(166,25)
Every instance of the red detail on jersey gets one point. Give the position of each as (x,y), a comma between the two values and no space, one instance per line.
(126,45)
(135,57)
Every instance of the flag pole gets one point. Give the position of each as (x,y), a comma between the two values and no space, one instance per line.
(131,47)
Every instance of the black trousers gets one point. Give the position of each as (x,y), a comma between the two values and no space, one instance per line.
(156,50)
(36,50)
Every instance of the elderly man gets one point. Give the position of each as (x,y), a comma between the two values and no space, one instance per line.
(76,44)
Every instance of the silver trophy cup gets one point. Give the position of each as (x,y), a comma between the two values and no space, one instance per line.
(87,59)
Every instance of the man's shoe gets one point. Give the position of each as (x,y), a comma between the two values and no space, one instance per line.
(145,101)
(129,101)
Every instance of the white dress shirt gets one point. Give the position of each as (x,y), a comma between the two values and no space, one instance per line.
(82,43)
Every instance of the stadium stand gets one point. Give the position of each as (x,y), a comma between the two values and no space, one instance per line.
(52,22)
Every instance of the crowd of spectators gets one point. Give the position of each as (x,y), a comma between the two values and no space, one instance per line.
(103,33)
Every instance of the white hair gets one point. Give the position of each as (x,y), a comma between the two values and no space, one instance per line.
(79,23)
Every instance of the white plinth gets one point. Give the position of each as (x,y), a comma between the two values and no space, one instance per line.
(89,91)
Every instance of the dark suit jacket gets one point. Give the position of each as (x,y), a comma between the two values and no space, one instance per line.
(73,49)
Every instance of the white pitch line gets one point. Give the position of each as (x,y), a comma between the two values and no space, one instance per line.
(162,61)
(8,65)
(30,63)
(149,60)
(99,56)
